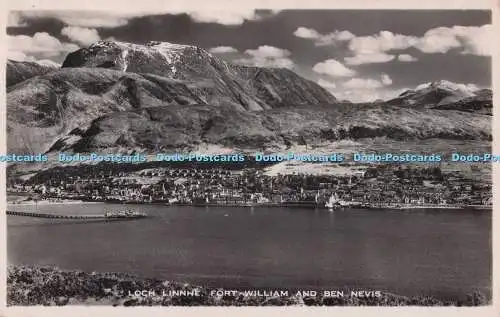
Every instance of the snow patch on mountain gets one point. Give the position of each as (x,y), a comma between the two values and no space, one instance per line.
(124,58)
(441,92)
(465,89)
(48,63)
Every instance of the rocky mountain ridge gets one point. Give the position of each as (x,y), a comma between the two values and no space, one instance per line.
(215,81)
(20,71)
(437,93)
(162,96)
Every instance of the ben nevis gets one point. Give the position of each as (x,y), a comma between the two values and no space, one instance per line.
(242,86)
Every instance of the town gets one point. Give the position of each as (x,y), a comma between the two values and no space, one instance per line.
(376,186)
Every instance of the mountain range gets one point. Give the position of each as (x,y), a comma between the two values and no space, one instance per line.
(115,96)
(444,94)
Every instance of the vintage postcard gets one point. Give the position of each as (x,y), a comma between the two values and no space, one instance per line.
(248,155)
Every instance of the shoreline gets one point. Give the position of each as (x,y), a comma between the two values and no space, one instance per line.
(39,285)
(305,205)
(44,202)
(309,206)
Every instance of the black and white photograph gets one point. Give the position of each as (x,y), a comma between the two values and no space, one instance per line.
(253,157)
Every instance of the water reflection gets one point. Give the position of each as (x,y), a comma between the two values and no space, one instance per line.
(269,247)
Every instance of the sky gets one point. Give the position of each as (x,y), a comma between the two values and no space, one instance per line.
(358,55)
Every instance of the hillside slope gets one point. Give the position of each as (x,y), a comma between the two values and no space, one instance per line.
(161,96)
(214,80)
(20,71)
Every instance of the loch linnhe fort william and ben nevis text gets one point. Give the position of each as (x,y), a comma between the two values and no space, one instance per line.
(266,158)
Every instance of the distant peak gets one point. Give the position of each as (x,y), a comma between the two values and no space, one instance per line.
(447,85)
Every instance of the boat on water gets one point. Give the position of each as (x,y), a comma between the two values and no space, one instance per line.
(333,202)
(127,214)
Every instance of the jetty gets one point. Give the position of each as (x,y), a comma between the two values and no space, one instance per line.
(107,216)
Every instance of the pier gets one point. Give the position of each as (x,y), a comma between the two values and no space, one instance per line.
(81,217)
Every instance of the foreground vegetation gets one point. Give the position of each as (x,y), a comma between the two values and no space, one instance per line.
(51,286)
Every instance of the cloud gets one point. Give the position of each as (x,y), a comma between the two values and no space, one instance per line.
(362,83)
(371,58)
(333,68)
(406,58)
(21,57)
(366,89)
(326,84)
(231,16)
(267,56)
(306,33)
(99,19)
(82,18)
(224,16)
(223,50)
(271,62)
(41,43)
(382,42)
(344,35)
(268,51)
(334,37)
(361,94)
(386,80)
(84,36)
(323,39)
(475,40)
(438,40)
